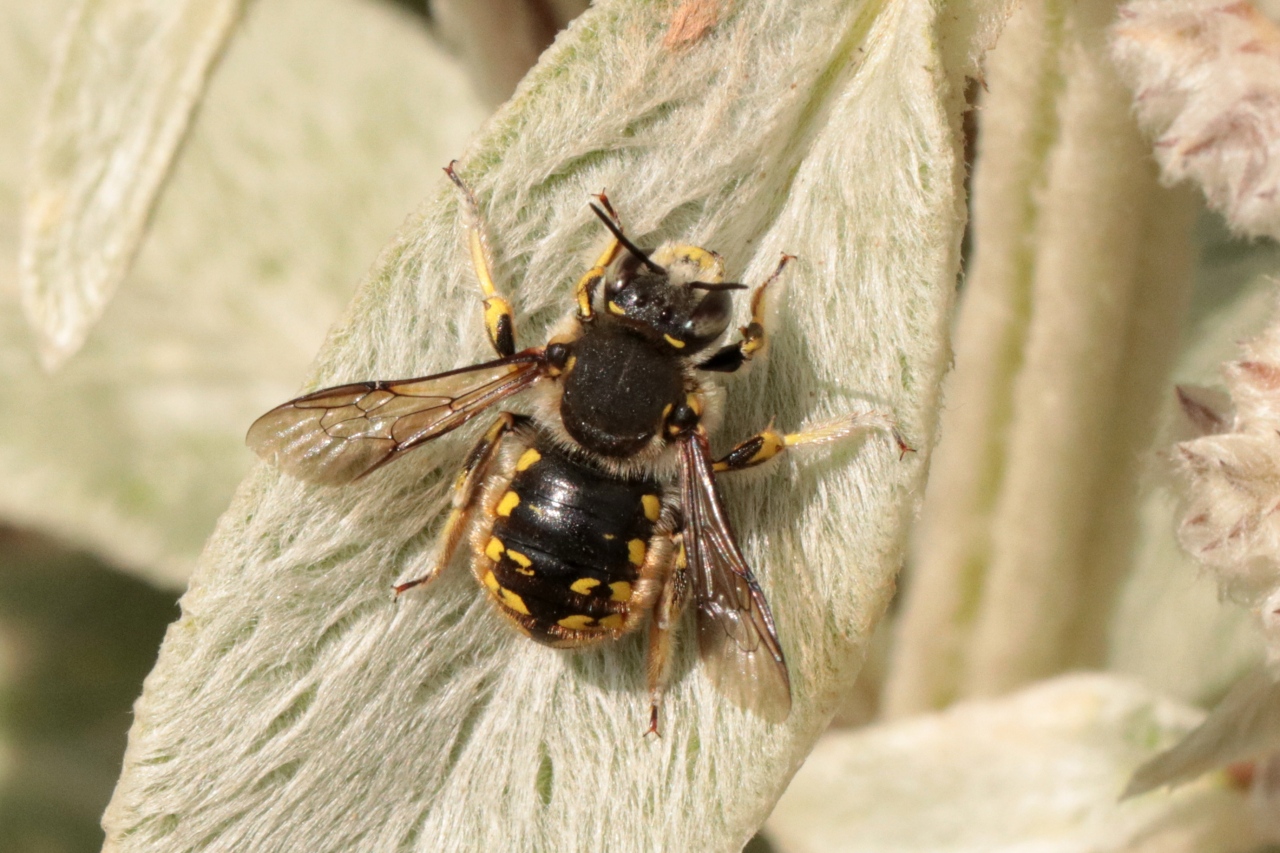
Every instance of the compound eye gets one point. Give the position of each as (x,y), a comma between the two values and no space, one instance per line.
(709,320)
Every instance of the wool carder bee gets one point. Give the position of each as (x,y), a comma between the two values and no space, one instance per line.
(599,509)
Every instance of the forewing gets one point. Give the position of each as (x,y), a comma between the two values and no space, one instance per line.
(339,434)
(736,638)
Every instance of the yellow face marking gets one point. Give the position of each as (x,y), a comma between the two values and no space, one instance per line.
(519,559)
(583,586)
(568,365)
(494,549)
(635,551)
(527,459)
(513,601)
(621,591)
(491,582)
(509,502)
(576,622)
(694,402)
(615,308)
(652,506)
(613,621)
(608,537)
(675,342)
(666,410)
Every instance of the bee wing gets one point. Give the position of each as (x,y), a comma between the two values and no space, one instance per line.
(339,434)
(736,638)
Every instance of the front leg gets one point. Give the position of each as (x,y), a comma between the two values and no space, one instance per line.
(499,319)
(730,358)
(585,290)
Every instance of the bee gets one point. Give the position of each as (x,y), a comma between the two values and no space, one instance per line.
(599,510)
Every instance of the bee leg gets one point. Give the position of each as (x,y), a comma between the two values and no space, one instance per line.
(763,446)
(466,488)
(499,319)
(730,358)
(585,290)
(666,615)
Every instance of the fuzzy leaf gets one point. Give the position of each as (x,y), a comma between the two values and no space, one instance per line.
(297,705)
(1037,770)
(127,81)
(1081,266)
(311,144)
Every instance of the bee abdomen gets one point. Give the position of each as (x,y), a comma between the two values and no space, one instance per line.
(566,545)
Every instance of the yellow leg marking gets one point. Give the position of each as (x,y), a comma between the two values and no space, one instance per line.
(613,621)
(527,459)
(583,586)
(582,292)
(576,622)
(675,342)
(513,601)
(635,551)
(498,316)
(652,506)
(771,443)
(509,502)
(494,549)
(621,591)
(491,582)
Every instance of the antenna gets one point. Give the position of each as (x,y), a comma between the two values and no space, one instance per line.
(622,238)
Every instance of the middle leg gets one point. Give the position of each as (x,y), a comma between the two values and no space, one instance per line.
(766,445)
(730,358)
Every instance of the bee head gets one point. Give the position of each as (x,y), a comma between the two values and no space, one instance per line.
(675,294)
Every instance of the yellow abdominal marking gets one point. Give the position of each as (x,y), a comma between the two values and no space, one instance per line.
(675,342)
(509,502)
(621,591)
(494,549)
(522,562)
(613,621)
(527,459)
(583,586)
(635,551)
(491,582)
(513,601)
(614,308)
(652,506)
(576,622)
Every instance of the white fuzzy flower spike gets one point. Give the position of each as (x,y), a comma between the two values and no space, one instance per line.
(1206,82)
